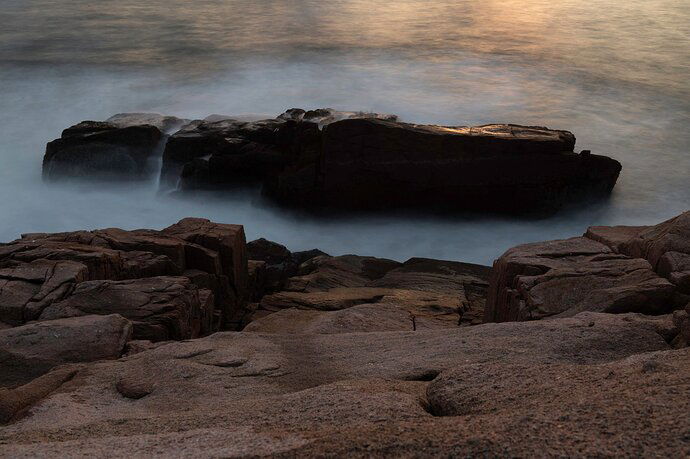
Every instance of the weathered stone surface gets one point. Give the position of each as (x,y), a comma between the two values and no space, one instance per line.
(41,269)
(562,278)
(15,401)
(324,272)
(364,394)
(27,288)
(229,243)
(666,246)
(103,150)
(160,308)
(391,314)
(428,293)
(31,350)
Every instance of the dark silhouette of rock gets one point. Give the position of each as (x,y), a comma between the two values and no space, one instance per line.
(103,150)
(376,164)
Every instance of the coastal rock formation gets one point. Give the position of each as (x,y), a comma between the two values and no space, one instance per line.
(31,350)
(338,291)
(369,394)
(376,164)
(610,269)
(340,355)
(160,308)
(326,159)
(665,246)
(65,274)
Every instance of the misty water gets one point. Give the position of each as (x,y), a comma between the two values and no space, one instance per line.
(614,72)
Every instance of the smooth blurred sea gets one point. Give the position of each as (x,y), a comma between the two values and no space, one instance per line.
(616,73)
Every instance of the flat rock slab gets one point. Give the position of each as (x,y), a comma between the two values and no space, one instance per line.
(312,394)
(31,350)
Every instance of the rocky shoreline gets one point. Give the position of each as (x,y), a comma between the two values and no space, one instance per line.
(328,160)
(189,341)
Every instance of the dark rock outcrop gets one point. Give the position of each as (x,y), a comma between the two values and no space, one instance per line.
(101,150)
(126,146)
(375,164)
(327,160)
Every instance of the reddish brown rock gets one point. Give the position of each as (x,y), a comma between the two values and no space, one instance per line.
(31,350)
(562,278)
(366,394)
(211,255)
(426,293)
(666,246)
(160,308)
(27,288)
(323,272)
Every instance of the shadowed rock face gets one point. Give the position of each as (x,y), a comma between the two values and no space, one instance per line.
(208,259)
(101,150)
(326,159)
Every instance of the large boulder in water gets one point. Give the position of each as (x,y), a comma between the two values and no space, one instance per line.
(378,164)
(127,146)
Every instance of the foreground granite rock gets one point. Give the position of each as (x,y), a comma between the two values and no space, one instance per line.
(368,394)
(340,355)
(325,160)
(129,272)
(31,350)
(610,269)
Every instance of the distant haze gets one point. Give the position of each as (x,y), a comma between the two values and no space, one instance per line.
(615,73)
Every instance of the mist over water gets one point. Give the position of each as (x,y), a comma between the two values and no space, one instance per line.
(615,73)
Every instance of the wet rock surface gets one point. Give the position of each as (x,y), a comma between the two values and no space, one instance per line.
(340,355)
(326,160)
